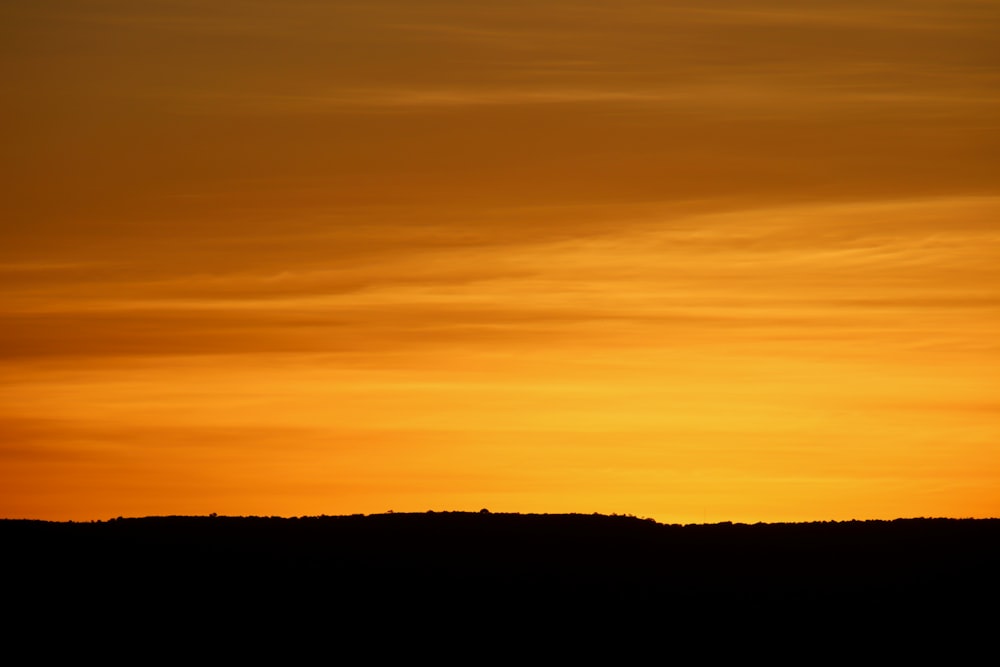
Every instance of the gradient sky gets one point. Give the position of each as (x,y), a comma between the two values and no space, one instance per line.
(697,261)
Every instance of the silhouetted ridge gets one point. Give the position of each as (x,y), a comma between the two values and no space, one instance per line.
(292,572)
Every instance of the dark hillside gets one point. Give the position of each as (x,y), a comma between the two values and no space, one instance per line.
(273,575)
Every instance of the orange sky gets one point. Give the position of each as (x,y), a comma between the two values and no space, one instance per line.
(693,261)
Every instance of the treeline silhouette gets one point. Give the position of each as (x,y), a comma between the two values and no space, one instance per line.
(299,574)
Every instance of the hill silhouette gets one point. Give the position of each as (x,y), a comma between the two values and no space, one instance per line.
(272,577)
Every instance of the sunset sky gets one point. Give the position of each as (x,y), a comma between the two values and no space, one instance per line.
(697,261)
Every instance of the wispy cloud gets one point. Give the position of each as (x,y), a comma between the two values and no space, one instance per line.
(845,269)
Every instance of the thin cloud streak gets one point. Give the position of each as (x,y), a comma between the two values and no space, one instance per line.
(885,270)
(770,96)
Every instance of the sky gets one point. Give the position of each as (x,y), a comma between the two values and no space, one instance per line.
(697,261)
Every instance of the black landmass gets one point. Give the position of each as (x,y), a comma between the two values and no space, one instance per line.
(502,575)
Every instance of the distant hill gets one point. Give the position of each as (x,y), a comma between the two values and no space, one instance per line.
(462,568)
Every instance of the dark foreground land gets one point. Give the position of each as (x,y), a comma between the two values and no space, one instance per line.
(272,577)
